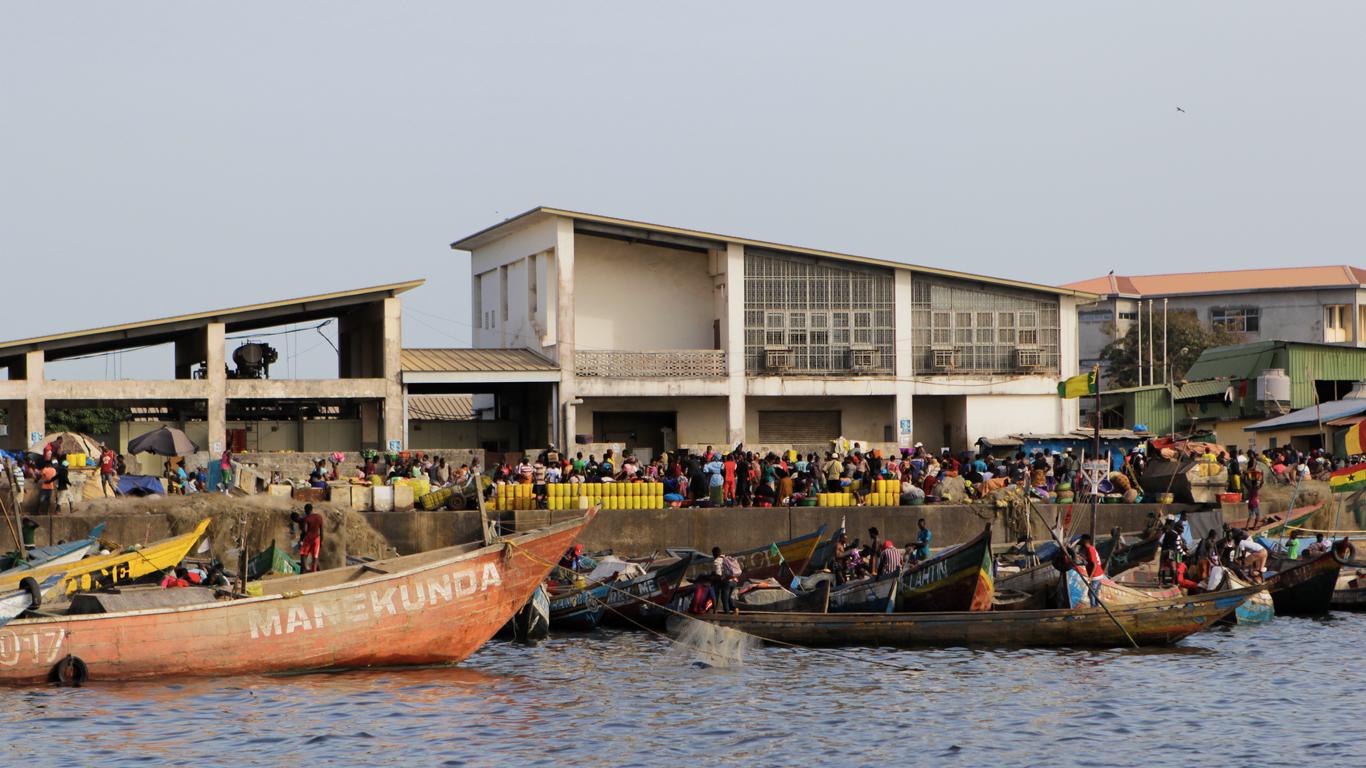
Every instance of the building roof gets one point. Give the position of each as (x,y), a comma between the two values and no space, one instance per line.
(1193,390)
(162,330)
(1235,361)
(1231,281)
(441,407)
(1325,412)
(474,360)
(492,233)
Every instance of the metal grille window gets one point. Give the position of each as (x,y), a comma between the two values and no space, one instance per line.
(962,327)
(1237,319)
(819,312)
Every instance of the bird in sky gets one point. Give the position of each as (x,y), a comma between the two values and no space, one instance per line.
(1182,111)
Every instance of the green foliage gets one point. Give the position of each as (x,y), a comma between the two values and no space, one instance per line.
(97,422)
(1186,339)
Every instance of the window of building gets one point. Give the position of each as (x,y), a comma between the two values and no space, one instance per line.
(1236,319)
(963,327)
(1128,315)
(818,311)
(1336,319)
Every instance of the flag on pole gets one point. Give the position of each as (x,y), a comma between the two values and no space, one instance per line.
(773,550)
(1353,439)
(1348,479)
(1077,386)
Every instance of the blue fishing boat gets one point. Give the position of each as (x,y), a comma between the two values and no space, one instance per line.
(29,596)
(53,554)
(579,608)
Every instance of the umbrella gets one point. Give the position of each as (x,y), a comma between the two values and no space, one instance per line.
(166,441)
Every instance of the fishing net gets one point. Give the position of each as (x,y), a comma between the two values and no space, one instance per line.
(702,643)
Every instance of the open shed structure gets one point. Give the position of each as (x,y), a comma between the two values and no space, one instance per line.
(361,408)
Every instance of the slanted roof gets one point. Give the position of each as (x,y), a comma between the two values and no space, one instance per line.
(1235,361)
(1193,390)
(1325,412)
(244,318)
(463,359)
(1230,281)
(490,234)
(464,366)
(441,407)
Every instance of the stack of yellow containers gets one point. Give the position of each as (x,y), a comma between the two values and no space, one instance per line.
(516,496)
(608,495)
(885,493)
(842,499)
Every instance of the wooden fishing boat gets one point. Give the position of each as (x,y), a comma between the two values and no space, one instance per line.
(761,563)
(1039,580)
(118,568)
(811,601)
(1276,523)
(1072,592)
(820,559)
(1157,622)
(864,596)
(532,622)
(1126,556)
(578,608)
(956,579)
(272,561)
(30,596)
(1350,592)
(53,554)
(1259,609)
(429,608)
(636,601)
(1304,587)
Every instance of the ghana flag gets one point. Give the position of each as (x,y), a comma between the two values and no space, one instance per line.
(1352,440)
(1085,384)
(1348,479)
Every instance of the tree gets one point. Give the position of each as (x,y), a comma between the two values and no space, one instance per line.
(96,422)
(1186,339)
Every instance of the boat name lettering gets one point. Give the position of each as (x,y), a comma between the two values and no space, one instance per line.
(935,572)
(355,608)
(46,645)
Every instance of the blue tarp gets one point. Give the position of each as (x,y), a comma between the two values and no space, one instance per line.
(140,485)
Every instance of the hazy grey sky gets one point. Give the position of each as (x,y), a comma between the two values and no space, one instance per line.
(169,157)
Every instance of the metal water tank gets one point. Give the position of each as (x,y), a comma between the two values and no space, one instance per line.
(1273,386)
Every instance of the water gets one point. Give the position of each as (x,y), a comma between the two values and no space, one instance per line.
(1255,695)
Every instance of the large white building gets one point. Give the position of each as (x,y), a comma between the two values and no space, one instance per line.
(666,337)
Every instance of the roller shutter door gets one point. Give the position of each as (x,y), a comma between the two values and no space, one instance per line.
(798,427)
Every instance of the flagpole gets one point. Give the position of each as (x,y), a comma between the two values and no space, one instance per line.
(1095,489)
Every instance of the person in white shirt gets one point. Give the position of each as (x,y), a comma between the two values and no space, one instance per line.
(1253,556)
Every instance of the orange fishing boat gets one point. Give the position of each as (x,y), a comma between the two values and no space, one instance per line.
(429,608)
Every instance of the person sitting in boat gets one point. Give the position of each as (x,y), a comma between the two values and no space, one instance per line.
(888,561)
(573,558)
(175,577)
(703,597)
(1090,566)
(1182,579)
(1320,546)
(1252,557)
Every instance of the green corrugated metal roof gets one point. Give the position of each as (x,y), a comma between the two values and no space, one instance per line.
(1196,389)
(1240,361)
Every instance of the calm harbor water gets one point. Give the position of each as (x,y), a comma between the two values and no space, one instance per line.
(1251,695)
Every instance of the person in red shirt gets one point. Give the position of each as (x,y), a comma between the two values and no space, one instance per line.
(1091,566)
(311,540)
(109,478)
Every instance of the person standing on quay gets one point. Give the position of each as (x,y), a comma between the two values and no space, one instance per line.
(311,540)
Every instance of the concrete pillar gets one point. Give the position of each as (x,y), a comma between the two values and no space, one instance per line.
(733,342)
(563,339)
(394,412)
(904,368)
(1069,352)
(214,341)
(35,400)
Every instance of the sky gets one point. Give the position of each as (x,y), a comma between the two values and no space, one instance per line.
(160,158)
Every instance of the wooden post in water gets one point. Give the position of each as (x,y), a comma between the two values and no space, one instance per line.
(1095,486)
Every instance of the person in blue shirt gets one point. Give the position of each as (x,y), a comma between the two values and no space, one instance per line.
(922,541)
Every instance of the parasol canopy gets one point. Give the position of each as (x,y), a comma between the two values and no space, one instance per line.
(167,441)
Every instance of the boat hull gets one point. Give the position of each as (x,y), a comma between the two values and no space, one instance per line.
(1159,622)
(439,609)
(1304,587)
(761,563)
(634,602)
(957,579)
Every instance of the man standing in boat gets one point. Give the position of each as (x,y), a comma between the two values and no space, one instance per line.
(922,541)
(1091,566)
(725,572)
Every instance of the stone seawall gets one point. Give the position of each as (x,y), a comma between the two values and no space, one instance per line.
(640,532)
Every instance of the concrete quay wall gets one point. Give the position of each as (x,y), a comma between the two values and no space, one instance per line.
(635,532)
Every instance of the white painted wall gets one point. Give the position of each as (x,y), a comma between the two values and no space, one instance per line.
(999,415)
(640,297)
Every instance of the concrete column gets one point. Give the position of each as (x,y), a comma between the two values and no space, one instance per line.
(563,338)
(733,342)
(904,386)
(394,413)
(35,400)
(1069,352)
(214,341)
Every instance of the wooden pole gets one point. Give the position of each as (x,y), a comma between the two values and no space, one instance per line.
(1095,485)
